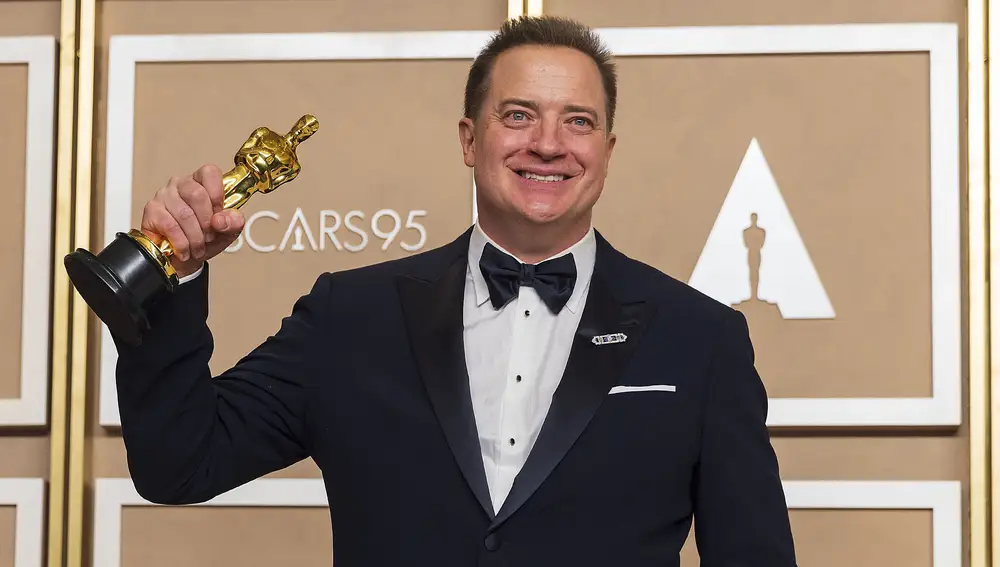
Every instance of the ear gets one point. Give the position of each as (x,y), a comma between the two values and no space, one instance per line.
(467,137)
(612,138)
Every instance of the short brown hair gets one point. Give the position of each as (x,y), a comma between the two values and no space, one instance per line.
(547,31)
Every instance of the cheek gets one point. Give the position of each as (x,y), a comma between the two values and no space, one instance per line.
(593,160)
(499,144)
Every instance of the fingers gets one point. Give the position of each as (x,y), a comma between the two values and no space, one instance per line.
(158,222)
(196,197)
(188,212)
(181,207)
(181,212)
(210,177)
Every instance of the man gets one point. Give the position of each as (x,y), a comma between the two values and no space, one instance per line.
(525,395)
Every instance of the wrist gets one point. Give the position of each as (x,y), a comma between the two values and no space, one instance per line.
(188,273)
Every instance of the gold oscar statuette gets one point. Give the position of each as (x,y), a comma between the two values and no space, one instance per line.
(122,281)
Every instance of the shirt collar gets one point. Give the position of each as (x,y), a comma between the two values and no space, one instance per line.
(584,255)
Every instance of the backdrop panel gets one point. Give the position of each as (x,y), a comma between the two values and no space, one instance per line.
(27,110)
(294,16)
(22,519)
(13,131)
(844,143)
(382,179)
(876,538)
(7,533)
(27,92)
(837,151)
(640,13)
(366,194)
(27,68)
(926,510)
(252,536)
(29,17)
(840,245)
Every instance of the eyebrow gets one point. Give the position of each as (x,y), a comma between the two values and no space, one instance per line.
(583,109)
(534,106)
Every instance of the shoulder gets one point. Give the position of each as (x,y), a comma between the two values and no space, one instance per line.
(427,265)
(702,326)
(636,280)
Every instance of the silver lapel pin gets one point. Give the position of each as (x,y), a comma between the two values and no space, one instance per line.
(609,339)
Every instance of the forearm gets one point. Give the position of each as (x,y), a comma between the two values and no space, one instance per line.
(167,402)
(190,437)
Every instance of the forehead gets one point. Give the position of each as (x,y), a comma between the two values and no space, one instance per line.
(547,74)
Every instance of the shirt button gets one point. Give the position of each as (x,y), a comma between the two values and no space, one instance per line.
(527,313)
(512,441)
(518,378)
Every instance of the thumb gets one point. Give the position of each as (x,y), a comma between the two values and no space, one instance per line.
(228,225)
(228,222)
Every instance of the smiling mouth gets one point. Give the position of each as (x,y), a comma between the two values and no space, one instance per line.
(543,178)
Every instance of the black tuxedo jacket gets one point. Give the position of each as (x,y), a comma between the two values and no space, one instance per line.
(367,376)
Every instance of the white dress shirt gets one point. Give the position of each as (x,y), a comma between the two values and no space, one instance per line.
(516,357)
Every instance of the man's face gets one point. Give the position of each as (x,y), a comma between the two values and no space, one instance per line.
(540,145)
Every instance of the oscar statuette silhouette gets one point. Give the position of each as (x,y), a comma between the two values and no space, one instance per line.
(753,238)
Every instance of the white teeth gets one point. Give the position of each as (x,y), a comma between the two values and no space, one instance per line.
(529,175)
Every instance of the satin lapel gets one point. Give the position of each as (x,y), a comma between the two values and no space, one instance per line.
(433,313)
(590,373)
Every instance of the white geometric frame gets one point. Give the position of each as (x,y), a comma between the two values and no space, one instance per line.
(39,53)
(27,495)
(939,41)
(126,51)
(942,498)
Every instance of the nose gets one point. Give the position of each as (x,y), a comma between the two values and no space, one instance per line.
(547,141)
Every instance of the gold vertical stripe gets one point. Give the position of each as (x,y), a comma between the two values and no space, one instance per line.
(979,304)
(993,219)
(81,313)
(533,7)
(63,240)
(515,8)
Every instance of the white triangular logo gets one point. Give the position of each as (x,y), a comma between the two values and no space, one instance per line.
(754,227)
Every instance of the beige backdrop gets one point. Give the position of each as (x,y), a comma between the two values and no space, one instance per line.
(24,452)
(846,137)
(190,114)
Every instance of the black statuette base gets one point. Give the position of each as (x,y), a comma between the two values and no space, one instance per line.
(120,284)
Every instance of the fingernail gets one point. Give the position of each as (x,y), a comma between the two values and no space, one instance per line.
(227,223)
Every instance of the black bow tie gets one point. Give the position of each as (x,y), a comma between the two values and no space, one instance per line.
(553,279)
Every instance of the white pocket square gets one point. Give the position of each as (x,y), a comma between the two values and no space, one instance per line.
(653,388)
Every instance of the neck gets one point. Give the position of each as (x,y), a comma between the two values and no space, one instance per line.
(533,243)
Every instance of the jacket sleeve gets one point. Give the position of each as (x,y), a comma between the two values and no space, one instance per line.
(741,516)
(190,437)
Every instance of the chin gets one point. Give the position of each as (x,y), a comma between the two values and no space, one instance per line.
(542,213)
(542,205)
